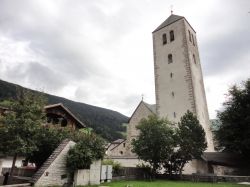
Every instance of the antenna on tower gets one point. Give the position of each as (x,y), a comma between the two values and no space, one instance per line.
(171,9)
(142,96)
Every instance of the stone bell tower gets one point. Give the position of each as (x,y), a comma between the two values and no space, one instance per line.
(178,76)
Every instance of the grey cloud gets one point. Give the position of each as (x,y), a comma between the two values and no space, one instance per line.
(230,44)
(40,76)
(53,37)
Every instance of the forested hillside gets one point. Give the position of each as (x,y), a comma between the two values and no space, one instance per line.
(105,122)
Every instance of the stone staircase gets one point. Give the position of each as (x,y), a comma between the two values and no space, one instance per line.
(49,161)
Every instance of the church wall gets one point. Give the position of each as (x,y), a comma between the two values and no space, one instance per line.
(199,95)
(117,150)
(195,166)
(141,112)
(185,89)
(167,104)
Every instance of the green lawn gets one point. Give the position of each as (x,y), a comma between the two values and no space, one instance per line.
(167,184)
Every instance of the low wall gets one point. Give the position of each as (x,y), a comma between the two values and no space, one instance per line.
(139,174)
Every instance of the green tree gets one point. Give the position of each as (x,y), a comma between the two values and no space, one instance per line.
(20,124)
(155,142)
(89,148)
(234,132)
(191,143)
(47,140)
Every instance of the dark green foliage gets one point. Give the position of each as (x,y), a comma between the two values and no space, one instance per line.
(81,156)
(21,124)
(155,143)
(47,140)
(234,132)
(191,143)
(106,123)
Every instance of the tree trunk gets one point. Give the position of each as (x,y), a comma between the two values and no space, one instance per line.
(13,166)
(181,168)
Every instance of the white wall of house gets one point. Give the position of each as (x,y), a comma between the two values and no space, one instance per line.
(6,162)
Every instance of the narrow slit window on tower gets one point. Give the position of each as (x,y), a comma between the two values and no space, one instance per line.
(164,39)
(189,35)
(171,75)
(194,59)
(174,114)
(171,33)
(193,39)
(172,94)
(170,58)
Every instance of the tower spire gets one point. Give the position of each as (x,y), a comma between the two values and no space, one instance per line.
(171,9)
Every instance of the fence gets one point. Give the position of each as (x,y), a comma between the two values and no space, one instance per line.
(138,173)
(23,172)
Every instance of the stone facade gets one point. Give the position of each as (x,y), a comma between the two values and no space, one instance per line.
(143,110)
(117,148)
(178,79)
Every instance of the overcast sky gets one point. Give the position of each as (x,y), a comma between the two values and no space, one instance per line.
(100,51)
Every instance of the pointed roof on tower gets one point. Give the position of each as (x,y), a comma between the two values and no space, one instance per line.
(171,19)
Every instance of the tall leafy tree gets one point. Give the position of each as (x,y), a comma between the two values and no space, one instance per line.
(155,142)
(20,124)
(191,143)
(234,132)
(46,140)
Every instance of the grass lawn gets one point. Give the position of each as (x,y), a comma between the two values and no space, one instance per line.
(167,184)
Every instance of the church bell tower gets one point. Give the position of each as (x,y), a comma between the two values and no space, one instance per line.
(178,76)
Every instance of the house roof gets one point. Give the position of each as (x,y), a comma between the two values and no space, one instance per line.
(49,161)
(223,158)
(67,110)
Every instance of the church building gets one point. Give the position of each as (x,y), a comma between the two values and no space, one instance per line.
(178,86)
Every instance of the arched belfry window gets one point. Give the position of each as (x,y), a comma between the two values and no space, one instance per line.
(170,58)
(164,39)
(171,33)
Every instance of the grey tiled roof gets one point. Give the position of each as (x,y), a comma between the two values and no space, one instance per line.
(171,19)
(151,107)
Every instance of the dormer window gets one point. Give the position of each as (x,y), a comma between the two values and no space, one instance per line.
(170,58)
(171,33)
(164,39)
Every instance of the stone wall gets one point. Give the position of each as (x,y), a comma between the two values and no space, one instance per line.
(56,173)
(179,85)
(142,111)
